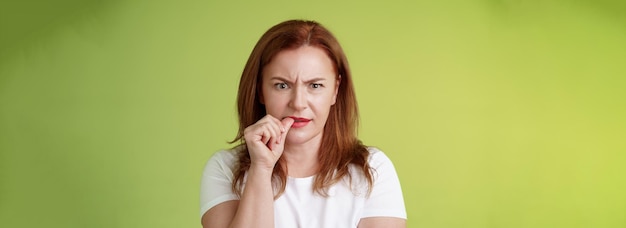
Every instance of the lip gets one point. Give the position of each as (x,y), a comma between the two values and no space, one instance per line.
(299,121)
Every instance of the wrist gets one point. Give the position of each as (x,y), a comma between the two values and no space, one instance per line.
(260,170)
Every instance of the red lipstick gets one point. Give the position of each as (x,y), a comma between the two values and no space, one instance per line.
(299,121)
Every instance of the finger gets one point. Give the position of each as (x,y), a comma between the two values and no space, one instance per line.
(274,133)
(265,130)
(279,145)
(275,121)
(271,119)
(286,125)
(271,124)
(265,136)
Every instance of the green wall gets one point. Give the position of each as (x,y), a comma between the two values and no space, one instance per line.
(496,113)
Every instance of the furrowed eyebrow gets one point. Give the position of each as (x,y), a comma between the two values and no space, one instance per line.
(315,80)
(306,82)
(279,78)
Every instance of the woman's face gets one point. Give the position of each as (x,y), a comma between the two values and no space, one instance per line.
(301,84)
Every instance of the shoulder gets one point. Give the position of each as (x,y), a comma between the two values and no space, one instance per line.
(217,179)
(224,160)
(226,154)
(381,166)
(377,157)
(385,199)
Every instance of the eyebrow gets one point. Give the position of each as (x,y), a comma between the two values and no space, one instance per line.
(308,81)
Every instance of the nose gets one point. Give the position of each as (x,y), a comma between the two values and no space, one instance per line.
(298,99)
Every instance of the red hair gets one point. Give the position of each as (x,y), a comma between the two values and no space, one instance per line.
(340,147)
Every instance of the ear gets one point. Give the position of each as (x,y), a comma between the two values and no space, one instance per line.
(336,89)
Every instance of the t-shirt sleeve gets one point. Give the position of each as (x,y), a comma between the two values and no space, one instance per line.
(386,198)
(215,186)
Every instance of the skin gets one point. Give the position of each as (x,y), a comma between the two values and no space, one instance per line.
(301,83)
(298,84)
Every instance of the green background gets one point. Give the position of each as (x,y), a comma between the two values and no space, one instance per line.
(496,113)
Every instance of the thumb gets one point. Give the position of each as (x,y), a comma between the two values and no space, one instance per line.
(279,145)
(287,123)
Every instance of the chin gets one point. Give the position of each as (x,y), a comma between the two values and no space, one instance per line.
(298,138)
(295,140)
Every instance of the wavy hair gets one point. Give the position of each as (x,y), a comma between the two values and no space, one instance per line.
(339,147)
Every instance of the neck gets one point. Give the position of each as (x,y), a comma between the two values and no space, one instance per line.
(302,159)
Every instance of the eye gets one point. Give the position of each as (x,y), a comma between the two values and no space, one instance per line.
(316,85)
(281,85)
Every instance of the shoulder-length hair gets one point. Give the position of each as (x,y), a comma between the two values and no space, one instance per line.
(340,147)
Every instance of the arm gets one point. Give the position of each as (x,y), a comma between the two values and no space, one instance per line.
(220,215)
(373,222)
(265,142)
(385,205)
(255,209)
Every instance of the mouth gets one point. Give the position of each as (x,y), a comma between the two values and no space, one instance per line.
(299,121)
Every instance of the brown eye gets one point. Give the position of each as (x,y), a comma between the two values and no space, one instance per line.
(316,85)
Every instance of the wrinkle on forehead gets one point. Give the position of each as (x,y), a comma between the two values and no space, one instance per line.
(301,64)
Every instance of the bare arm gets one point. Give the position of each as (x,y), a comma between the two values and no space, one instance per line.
(382,222)
(265,142)
(255,209)
(220,215)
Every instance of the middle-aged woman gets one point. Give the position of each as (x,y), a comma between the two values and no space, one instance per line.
(298,162)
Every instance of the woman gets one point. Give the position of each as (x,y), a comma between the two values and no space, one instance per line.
(298,162)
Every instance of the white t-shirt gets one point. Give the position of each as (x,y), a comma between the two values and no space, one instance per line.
(300,206)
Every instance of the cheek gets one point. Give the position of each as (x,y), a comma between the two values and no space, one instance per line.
(275,104)
(332,99)
(324,103)
(270,105)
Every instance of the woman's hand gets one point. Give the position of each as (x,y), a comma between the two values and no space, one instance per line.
(265,140)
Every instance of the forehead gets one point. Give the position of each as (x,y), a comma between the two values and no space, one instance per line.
(302,62)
